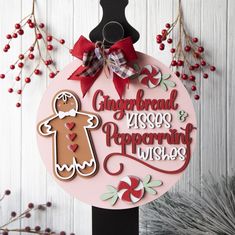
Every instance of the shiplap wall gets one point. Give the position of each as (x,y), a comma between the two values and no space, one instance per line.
(21,168)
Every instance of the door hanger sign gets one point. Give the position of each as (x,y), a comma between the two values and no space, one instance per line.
(116,128)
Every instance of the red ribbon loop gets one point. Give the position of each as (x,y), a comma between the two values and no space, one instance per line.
(94,59)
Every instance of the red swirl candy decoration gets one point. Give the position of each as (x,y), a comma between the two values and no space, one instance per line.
(95,57)
(131,189)
(150,76)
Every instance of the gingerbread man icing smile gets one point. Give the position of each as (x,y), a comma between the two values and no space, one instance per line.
(73,150)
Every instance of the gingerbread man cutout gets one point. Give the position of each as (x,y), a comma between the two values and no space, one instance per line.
(73,150)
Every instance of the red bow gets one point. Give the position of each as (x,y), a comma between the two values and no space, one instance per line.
(94,60)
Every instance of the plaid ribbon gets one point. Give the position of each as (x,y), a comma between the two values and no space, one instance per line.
(96,60)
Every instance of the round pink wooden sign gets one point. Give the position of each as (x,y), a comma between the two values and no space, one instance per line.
(113,152)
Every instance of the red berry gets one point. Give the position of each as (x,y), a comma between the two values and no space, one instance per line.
(14,35)
(37,228)
(191,67)
(197,55)
(18,105)
(21,65)
(41,25)
(196,97)
(200,49)
(173,63)
(187,48)
(48,204)
(31,49)
(180,63)
(39,36)
(52,75)
(162,46)
(27,80)
(196,66)
(212,68)
(5,50)
(29,21)
(19,92)
(21,56)
(37,72)
(192,78)
(164,38)
(31,25)
(167,25)
(169,40)
(203,63)
(49,38)
(10,90)
(17,26)
(2,76)
(62,41)
(49,47)
(184,76)
(164,32)
(17,78)
(159,36)
(12,67)
(177,73)
(195,40)
(205,75)
(7,46)
(20,32)
(172,50)
(31,56)
(193,88)
(159,41)
(13,214)
(9,36)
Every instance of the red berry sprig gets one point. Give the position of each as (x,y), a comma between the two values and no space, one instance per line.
(188,57)
(7,228)
(33,56)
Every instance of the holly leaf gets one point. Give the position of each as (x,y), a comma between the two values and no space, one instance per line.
(111,189)
(163,86)
(155,183)
(147,179)
(113,200)
(107,196)
(166,76)
(170,84)
(150,190)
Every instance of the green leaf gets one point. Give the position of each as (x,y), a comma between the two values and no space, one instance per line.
(163,86)
(113,200)
(170,83)
(136,67)
(166,76)
(147,179)
(106,196)
(150,190)
(155,183)
(111,189)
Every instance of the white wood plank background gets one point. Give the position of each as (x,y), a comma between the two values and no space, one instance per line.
(21,168)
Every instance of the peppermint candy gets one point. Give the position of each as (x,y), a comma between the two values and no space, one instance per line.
(150,76)
(130,189)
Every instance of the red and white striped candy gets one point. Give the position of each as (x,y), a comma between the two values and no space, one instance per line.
(150,76)
(130,189)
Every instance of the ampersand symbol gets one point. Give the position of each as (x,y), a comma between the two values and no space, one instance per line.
(182,116)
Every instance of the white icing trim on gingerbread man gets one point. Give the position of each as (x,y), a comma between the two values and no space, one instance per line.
(74,167)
